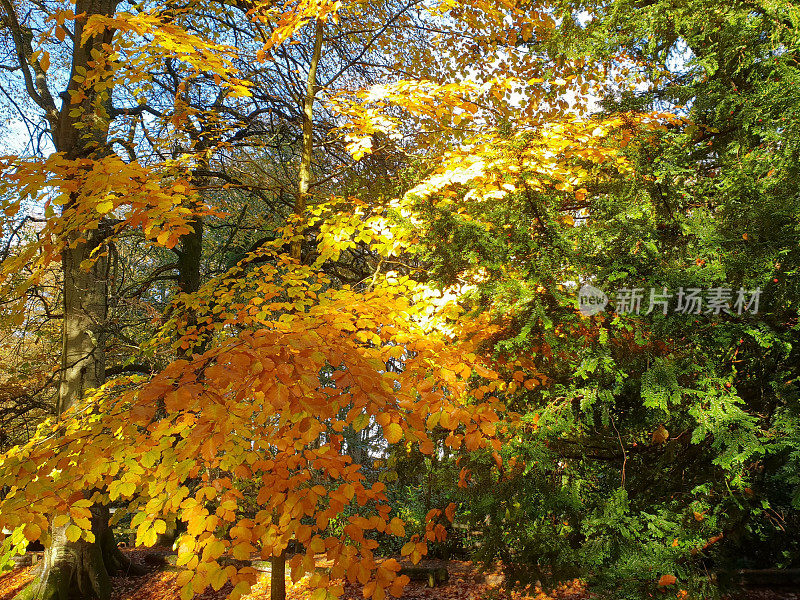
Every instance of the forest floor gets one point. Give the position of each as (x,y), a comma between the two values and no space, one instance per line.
(467,582)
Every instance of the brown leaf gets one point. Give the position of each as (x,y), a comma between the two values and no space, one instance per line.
(660,435)
(667,580)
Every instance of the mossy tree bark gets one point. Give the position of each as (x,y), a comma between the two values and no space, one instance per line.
(79,569)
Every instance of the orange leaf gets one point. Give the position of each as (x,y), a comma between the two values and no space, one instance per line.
(450,511)
(667,580)
(32,532)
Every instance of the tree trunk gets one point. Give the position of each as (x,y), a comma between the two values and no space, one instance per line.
(304,174)
(78,569)
(278,576)
(190,251)
(81,569)
(189,259)
(277,588)
(85,308)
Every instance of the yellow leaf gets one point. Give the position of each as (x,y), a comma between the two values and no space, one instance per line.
(60,520)
(242,551)
(242,588)
(396,527)
(73,533)
(217,579)
(184,577)
(361,421)
(433,420)
(317,545)
(214,550)
(319,594)
(660,435)
(393,433)
(149,538)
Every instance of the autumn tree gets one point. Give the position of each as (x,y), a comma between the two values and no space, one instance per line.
(78,126)
(90,197)
(76,45)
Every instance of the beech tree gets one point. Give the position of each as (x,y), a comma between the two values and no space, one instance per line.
(78,125)
(89,196)
(76,45)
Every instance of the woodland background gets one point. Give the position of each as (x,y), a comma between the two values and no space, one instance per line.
(298,279)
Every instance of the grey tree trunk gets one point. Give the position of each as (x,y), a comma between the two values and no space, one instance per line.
(85,309)
(81,569)
(75,569)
